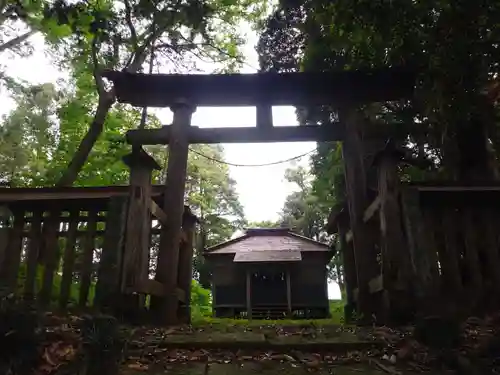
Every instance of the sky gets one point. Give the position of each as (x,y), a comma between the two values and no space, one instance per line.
(262,190)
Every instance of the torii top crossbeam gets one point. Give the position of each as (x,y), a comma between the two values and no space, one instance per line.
(304,88)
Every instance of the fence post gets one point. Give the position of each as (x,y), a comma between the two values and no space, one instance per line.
(395,265)
(109,269)
(138,232)
(422,253)
(185,273)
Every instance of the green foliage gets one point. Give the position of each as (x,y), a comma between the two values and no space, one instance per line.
(451,122)
(211,194)
(337,310)
(74,289)
(455,122)
(201,302)
(301,210)
(262,224)
(306,211)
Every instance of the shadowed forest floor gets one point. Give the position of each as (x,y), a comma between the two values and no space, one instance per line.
(229,347)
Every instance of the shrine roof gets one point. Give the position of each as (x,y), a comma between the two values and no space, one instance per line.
(265,244)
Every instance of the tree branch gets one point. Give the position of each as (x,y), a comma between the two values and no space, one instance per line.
(101,88)
(128,19)
(16,41)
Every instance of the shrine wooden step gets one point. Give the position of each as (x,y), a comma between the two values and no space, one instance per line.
(270,313)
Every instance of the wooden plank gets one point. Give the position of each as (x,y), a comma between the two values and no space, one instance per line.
(185,268)
(452,255)
(154,288)
(376,284)
(4,242)
(451,187)
(422,250)
(304,88)
(49,255)
(472,263)
(395,265)
(69,260)
(67,219)
(259,134)
(249,294)
(63,193)
(372,209)
(12,260)
(32,256)
(490,221)
(348,236)
(168,256)
(109,270)
(349,262)
(138,224)
(355,177)
(289,292)
(157,212)
(87,259)
(264,114)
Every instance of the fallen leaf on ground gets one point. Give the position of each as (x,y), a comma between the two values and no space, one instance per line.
(138,366)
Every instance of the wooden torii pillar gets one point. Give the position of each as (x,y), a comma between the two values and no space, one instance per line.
(165,308)
(185,268)
(356,186)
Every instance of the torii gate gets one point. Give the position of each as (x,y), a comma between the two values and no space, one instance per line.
(344,90)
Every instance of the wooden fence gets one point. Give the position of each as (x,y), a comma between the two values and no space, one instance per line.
(453,235)
(437,247)
(67,247)
(56,243)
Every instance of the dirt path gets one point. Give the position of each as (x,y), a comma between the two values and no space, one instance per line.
(270,368)
(264,349)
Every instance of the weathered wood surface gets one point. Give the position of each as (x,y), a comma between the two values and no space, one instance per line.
(137,235)
(258,134)
(164,90)
(350,278)
(166,308)
(157,212)
(69,259)
(156,289)
(264,116)
(49,255)
(32,256)
(422,250)
(395,265)
(185,270)
(472,263)
(110,265)
(489,221)
(12,257)
(355,176)
(87,259)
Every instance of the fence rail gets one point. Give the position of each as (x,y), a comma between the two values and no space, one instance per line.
(65,247)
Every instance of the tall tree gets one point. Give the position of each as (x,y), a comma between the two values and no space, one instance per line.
(306,213)
(211,193)
(120,35)
(301,210)
(453,44)
(28,135)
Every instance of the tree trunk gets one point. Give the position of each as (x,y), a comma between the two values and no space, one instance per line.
(85,147)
